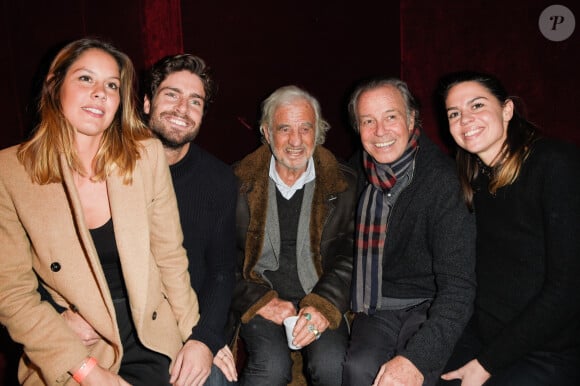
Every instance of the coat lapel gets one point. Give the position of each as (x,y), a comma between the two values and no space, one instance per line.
(109,329)
(132,234)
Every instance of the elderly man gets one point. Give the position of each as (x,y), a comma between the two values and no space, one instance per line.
(294,229)
(413,281)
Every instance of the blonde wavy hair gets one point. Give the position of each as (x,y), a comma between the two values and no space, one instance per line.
(54,135)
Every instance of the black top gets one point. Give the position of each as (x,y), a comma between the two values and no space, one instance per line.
(528,258)
(206,192)
(105,244)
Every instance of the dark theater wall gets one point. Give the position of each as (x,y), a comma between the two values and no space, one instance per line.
(501,37)
(253,48)
(32,30)
(324,46)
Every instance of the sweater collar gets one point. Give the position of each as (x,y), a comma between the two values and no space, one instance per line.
(183,166)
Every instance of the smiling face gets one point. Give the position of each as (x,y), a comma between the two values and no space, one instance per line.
(176,111)
(292,138)
(477,120)
(90,93)
(382,122)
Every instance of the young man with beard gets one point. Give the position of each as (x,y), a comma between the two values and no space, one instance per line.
(177,94)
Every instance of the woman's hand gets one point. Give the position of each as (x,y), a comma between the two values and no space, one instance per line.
(95,375)
(81,327)
(471,374)
(102,377)
(224,359)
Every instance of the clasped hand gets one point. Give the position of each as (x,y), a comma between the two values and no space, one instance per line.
(309,322)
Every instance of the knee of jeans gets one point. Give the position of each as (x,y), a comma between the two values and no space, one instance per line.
(273,364)
(357,367)
(328,373)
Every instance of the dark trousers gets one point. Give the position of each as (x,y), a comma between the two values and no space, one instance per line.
(269,362)
(538,368)
(377,338)
(217,378)
(139,365)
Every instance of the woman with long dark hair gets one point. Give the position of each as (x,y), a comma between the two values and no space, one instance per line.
(525,191)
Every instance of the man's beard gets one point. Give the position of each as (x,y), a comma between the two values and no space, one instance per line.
(170,138)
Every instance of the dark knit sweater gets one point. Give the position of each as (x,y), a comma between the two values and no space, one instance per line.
(206,193)
(528,258)
(430,253)
(285,280)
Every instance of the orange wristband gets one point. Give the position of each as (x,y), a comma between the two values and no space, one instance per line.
(84,370)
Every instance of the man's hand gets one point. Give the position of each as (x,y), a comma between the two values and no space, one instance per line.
(81,328)
(471,374)
(399,371)
(309,326)
(276,310)
(224,359)
(192,365)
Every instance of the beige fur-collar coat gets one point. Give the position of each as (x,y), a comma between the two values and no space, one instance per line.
(43,237)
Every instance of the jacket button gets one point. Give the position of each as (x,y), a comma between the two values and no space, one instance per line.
(55,267)
(154,316)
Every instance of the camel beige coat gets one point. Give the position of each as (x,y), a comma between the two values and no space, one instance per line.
(43,235)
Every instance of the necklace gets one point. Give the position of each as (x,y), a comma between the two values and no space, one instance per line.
(484,169)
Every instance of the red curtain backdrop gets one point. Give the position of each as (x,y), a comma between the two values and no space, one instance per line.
(255,47)
(501,37)
(32,31)
(161,29)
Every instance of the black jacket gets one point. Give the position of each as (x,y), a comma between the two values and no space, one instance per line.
(430,253)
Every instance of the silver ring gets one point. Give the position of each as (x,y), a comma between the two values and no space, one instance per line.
(316,333)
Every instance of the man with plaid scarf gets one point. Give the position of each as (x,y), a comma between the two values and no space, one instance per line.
(413,279)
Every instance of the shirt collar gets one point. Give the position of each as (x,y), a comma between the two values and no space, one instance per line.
(288,191)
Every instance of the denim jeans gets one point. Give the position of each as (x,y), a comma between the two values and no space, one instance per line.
(269,362)
(217,378)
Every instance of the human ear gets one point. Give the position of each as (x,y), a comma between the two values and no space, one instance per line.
(146,105)
(265,132)
(411,122)
(508,110)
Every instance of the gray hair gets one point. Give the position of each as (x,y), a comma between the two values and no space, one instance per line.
(287,95)
(411,104)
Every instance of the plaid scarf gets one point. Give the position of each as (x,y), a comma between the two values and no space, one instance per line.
(371,232)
